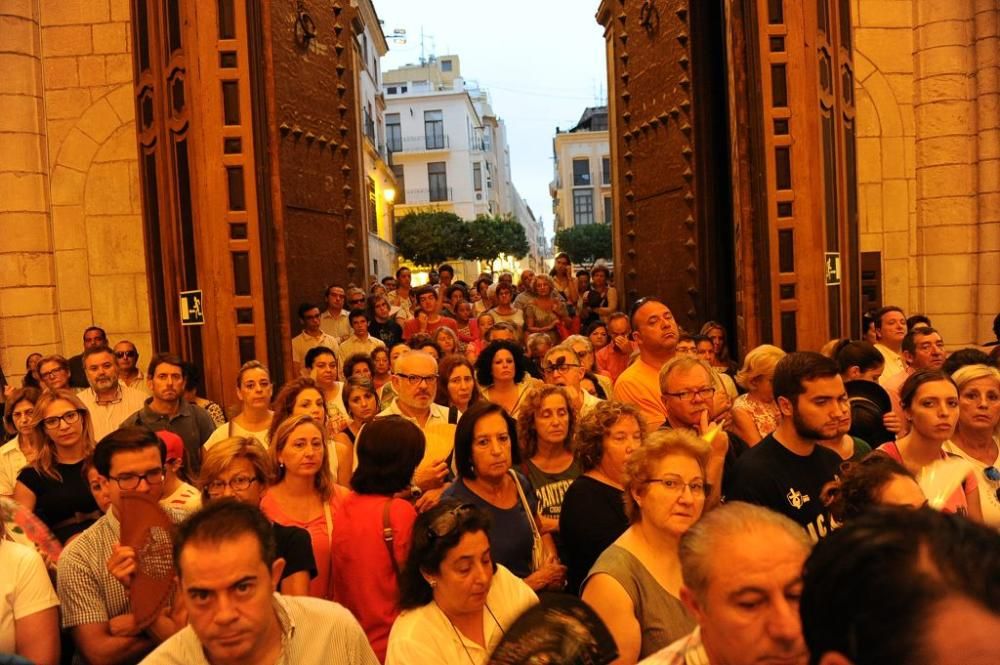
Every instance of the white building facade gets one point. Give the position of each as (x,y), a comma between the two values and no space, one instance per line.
(581,190)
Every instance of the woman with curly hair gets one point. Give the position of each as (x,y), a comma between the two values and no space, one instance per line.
(501,371)
(593,508)
(545,432)
(876,480)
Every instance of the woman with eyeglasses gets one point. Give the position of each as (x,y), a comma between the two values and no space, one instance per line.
(53,371)
(634,586)
(755,413)
(18,417)
(371,537)
(240,468)
(304,493)
(254,390)
(593,508)
(53,485)
(976,436)
(456,384)
(361,401)
(545,429)
(456,601)
(930,402)
(501,371)
(486,453)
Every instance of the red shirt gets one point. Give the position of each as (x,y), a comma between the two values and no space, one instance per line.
(362,575)
(412,326)
(611,361)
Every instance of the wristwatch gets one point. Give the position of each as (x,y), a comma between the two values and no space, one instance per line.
(416,492)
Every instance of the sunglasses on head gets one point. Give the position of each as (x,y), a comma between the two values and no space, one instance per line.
(446,523)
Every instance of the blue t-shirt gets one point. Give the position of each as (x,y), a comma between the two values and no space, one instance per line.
(511,537)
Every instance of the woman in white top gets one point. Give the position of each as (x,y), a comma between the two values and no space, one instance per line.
(29,607)
(456,602)
(324,369)
(19,451)
(254,390)
(976,438)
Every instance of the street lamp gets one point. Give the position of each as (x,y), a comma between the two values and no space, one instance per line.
(389,194)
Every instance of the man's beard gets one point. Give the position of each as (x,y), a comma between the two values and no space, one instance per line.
(804,431)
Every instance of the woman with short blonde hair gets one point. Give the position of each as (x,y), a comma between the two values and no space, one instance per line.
(755,413)
(635,584)
(976,435)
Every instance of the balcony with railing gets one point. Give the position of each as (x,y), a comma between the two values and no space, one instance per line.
(425,196)
(419,143)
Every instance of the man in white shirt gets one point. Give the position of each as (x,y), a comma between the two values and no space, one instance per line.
(228,571)
(312,335)
(359,341)
(108,400)
(890,327)
(333,321)
(127,360)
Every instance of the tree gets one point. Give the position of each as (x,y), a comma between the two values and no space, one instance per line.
(430,238)
(586,243)
(489,236)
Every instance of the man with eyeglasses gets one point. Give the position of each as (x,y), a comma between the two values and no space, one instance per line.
(414,379)
(562,367)
(333,321)
(127,360)
(312,336)
(93,337)
(787,470)
(109,400)
(688,393)
(655,333)
(95,571)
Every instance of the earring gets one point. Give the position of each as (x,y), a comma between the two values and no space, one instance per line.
(433,583)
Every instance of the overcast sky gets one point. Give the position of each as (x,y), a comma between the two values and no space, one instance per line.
(541,60)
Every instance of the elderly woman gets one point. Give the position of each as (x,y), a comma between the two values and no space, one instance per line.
(240,468)
(456,384)
(501,372)
(755,413)
(254,390)
(593,508)
(975,437)
(546,311)
(457,603)
(304,494)
(359,365)
(635,584)
(18,416)
(372,535)
(545,432)
(931,404)
(29,606)
(361,401)
(54,372)
(485,453)
(53,485)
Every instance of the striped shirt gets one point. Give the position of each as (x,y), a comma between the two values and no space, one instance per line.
(688,650)
(312,631)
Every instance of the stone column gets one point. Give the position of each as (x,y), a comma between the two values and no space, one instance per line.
(945,259)
(987,77)
(28,318)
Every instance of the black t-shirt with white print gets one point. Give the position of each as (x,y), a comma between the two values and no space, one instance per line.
(773,476)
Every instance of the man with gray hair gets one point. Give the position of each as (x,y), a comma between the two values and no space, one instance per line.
(742,578)
(561,367)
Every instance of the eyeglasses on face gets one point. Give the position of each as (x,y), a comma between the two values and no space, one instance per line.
(237,484)
(357,301)
(130,481)
(447,522)
(70,418)
(417,379)
(675,485)
(562,368)
(126,354)
(52,373)
(689,395)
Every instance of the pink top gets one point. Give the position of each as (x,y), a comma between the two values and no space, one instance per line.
(319,586)
(766,417)
(363,578)
(958,501)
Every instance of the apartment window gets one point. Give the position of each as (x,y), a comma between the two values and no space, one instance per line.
(446,65)
(393,133)
(364,48)
(403,89)
(398,173)
(581,172)
(437,181)
(434,130)
(477,176)
(391,90)
(605,170)
(583,207)
(608,215)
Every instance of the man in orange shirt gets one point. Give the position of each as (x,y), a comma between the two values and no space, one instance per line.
(654,332)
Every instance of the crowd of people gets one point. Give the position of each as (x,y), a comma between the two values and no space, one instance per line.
(449,456)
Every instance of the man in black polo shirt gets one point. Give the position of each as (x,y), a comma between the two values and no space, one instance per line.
(786,471)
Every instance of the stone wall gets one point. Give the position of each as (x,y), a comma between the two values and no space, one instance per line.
(929,157)
(81,260)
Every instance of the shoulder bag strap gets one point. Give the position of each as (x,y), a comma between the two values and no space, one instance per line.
(388,536)
(525,504)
